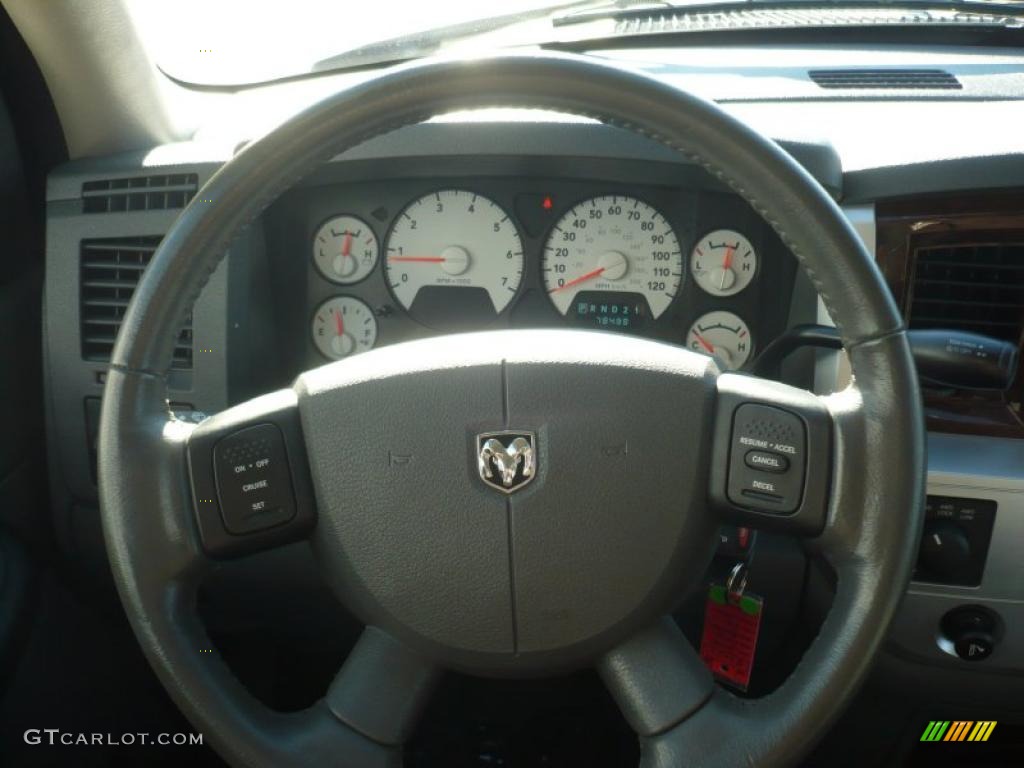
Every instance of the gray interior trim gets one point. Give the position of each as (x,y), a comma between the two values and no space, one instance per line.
(984,468)
(108,93)
(947,175)
(70,379)
(453,137)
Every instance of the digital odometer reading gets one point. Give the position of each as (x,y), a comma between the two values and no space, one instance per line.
(617,244)
(611,311)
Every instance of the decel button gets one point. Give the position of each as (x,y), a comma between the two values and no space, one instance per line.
(766,461)
(254,484)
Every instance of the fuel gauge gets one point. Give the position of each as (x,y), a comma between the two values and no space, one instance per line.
(343,326)
(722,335)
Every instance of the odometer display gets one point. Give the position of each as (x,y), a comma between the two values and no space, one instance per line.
(613,243)
(610,311)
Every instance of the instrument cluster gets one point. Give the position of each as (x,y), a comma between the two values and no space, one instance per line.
(681,265)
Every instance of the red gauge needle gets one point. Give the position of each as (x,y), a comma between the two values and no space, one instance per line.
(581,279)
(339,323)
(420,259)
(704,343)
(727,261)
(346,244)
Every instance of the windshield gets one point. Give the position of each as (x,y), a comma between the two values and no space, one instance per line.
(240,42)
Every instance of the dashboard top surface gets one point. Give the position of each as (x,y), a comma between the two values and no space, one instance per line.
(884,141)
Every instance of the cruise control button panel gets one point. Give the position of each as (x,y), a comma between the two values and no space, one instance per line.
(766,467)
(771,457)
(251,487)
(254,486)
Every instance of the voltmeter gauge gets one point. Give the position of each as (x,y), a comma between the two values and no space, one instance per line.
(345,249)
(343,326)
(723,262)
(724,336)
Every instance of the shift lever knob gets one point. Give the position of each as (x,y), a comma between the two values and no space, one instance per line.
(963,360)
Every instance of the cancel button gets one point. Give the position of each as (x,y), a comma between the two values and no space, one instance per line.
(766,461)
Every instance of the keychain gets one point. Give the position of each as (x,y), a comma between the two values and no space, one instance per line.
(732,621)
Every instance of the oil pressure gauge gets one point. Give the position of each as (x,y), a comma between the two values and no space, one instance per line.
(723,262)
(343,326)
(722,335)
(345,249)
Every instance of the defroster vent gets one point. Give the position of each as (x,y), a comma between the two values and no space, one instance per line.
(110,270)
(885,79)
(973,287)
(139,193)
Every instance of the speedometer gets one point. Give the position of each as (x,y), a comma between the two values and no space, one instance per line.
(612,244)
(453,251)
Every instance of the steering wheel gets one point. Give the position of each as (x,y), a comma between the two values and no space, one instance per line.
(612,502)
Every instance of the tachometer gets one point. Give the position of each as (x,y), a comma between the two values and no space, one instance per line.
(454,244)
(613,244)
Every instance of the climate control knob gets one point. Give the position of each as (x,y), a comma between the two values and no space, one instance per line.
(945,548)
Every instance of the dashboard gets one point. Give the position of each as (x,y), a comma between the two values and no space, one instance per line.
(385,260)
(336,245)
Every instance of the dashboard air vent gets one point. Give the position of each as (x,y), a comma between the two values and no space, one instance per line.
(975,287)
(885,79)
(110,270)
(141,193)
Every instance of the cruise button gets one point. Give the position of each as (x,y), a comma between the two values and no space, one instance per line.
(766,461)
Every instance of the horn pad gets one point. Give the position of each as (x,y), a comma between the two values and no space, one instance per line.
(592,523)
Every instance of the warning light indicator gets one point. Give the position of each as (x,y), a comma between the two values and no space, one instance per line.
(547,204)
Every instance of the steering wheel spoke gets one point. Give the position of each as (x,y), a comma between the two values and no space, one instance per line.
(249,475)
(382,688)
(656,678)
(771,456)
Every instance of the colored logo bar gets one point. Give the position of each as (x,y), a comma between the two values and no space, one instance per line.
(958,730)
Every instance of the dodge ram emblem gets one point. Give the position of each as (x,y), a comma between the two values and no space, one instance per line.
(506,460)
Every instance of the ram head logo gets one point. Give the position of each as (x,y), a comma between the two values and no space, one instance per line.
(506,460)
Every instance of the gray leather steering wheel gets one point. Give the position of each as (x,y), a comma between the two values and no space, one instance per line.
(582,565)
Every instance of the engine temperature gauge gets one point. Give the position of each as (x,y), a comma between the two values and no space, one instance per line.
(723,262)
(723,335)
(343,326)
